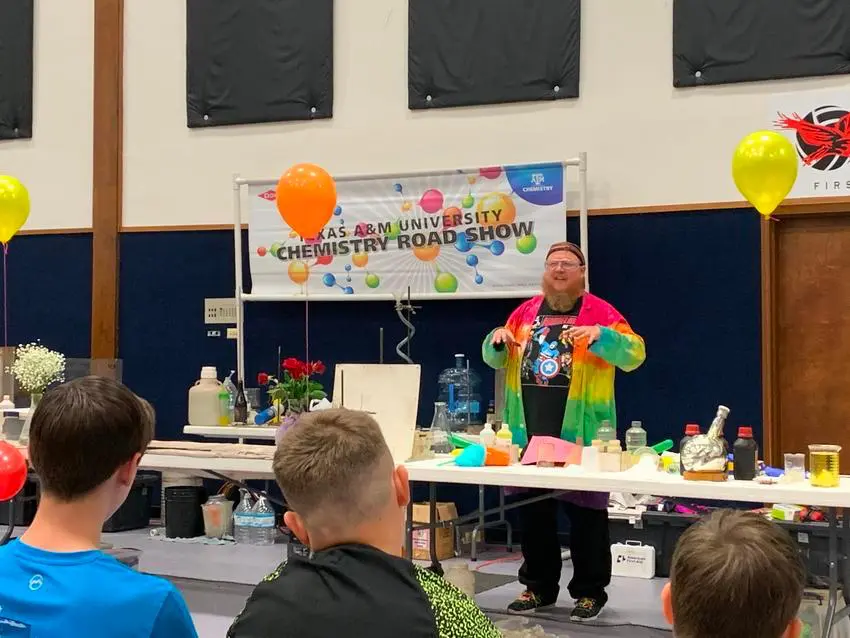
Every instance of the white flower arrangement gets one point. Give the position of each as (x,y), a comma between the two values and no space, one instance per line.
(36,367)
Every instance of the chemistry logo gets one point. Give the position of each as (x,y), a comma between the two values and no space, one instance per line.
(537,179)
(822,136)
(269,196)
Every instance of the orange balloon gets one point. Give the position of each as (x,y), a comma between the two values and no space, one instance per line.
(496,202)
(427,253)
(298,272)
(306,198)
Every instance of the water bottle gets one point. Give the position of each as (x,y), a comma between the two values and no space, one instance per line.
(459,389)
(635,437)
(243,518)
(264,529)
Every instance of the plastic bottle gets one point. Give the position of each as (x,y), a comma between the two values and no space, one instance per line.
(635,437)
(440,430)
(488,435)
(504,438)
(243,518)
(265,416)
(605,432)
(745,455)
(264,529)
(459,389)
(231,390)
(223,406)
(691,430)
(203,398)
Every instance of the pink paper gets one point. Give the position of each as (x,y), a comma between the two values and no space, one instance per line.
(554,450)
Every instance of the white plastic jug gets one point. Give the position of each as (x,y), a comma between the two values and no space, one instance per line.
(203,398)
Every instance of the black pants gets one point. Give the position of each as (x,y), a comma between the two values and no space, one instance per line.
(590,547)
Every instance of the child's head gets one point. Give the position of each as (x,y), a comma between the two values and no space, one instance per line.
(735,574)
(338,477)
(87,437)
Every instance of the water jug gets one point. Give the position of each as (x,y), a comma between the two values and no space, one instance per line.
(203,398)
(459,389)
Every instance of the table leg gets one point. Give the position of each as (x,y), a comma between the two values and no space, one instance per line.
(432,529)
(408,532)
(833,573)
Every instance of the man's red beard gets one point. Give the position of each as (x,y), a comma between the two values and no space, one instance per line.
(561,300)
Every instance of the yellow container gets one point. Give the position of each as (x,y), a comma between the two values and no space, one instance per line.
(823,465)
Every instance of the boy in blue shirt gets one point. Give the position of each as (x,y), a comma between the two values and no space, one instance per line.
(86,439)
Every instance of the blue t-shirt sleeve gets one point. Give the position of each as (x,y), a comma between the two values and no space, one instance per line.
(174,620)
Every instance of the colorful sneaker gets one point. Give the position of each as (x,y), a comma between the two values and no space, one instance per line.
(529,602)
(586,609)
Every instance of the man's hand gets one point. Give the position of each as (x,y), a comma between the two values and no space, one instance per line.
(503,336)
(591,333)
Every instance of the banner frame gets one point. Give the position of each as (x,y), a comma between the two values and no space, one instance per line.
(579,162)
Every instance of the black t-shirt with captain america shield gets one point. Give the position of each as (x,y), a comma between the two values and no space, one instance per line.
(547,366)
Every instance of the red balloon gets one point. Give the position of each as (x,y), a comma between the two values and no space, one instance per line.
(13,471)
(306,198)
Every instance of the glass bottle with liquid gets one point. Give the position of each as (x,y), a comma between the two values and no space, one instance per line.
(240,405)
(823,465)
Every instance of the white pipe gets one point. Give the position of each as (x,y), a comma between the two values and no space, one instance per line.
(440,173)
(237,260)
(427,296)
(582,219)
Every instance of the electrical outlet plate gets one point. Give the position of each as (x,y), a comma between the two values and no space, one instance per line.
(220,310)
(233,333)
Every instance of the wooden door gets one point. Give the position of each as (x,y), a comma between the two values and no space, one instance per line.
(811,287)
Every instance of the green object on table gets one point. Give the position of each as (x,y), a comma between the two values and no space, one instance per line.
(666,444)
(459,442)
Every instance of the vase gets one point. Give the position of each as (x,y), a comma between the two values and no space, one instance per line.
(35,398)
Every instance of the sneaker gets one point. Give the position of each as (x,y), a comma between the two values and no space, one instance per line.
(586,609)
(529,602)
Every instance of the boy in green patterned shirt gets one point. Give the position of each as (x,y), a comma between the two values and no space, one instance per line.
(348,503)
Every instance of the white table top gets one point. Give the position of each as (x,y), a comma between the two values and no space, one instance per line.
(531,476)
(232,431)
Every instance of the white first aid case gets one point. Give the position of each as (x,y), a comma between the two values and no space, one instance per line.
(633,560)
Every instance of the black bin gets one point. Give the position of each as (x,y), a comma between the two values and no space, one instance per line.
(135,512)
(183,515)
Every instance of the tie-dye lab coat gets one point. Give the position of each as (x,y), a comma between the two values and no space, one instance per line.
(591,394)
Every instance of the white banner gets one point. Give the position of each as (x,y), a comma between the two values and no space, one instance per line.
(818,124)
(455,234)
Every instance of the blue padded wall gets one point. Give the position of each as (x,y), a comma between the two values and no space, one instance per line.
(688,282)
(49,293)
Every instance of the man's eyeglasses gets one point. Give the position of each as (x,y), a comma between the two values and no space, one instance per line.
(562,265)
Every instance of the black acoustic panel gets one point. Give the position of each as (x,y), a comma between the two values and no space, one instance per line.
(725,41)
(467,52)
(258,61)
(16,62)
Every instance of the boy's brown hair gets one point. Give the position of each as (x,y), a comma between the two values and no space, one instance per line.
(333,467)
(735,574)
(82,431)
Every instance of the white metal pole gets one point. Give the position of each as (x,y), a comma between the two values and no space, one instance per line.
(237,260)
(582,211)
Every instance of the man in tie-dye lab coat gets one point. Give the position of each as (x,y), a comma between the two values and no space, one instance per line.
(560,351)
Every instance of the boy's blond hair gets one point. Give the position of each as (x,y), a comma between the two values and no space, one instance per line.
(735,574)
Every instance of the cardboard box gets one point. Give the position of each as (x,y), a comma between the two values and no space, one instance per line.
(445,535)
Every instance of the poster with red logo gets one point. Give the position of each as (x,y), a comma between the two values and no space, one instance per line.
(456,234)
(818,125)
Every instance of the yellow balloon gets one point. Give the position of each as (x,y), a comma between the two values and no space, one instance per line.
(764,168)
(14,207)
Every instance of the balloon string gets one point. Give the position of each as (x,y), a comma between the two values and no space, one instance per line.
(5,299)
